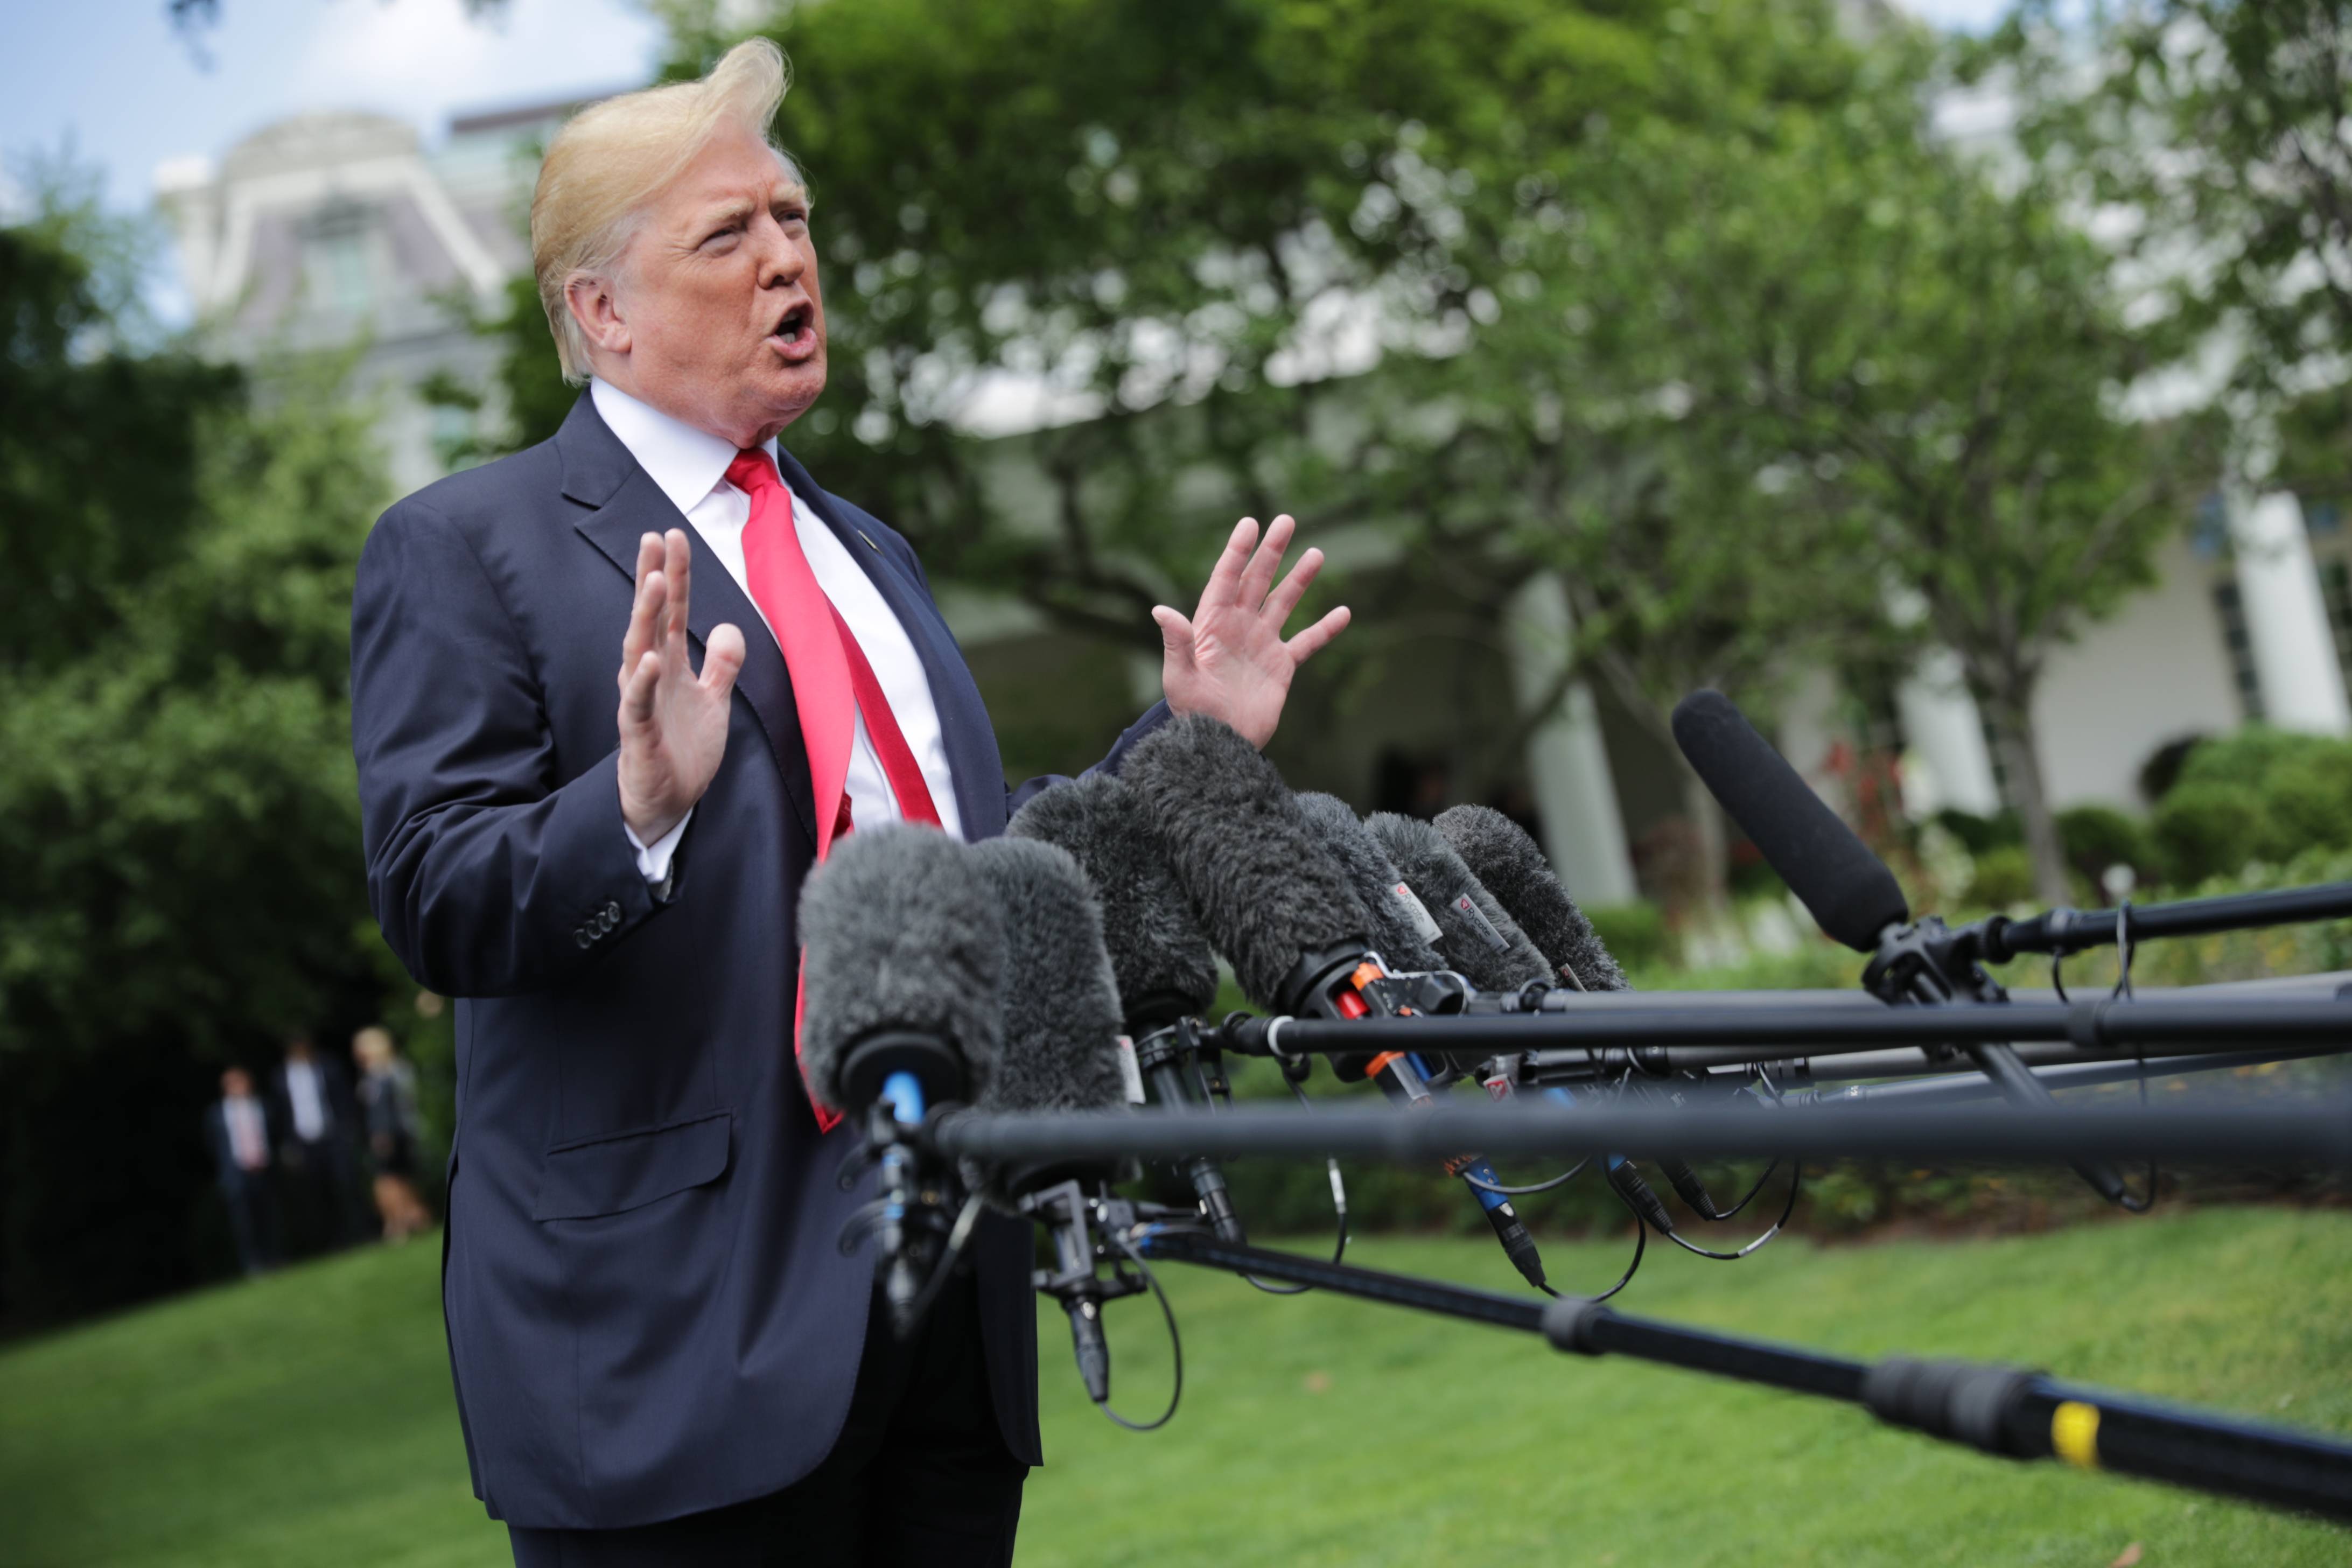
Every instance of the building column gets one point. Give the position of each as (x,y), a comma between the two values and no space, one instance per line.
(1567,763)
(1949,765)
(2286,617)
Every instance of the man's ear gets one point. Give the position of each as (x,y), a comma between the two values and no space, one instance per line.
(597,308)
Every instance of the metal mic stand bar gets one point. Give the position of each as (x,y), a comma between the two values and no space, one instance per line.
(2008,1411)
(2064,1074)
(2073,931)
(2312,1131)
(2105,1023)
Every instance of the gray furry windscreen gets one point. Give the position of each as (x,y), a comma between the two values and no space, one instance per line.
(1504,858)
(1470,941)
(1158,954)
(1395,935)
(1061,1007)
(901,933)
(1261,887)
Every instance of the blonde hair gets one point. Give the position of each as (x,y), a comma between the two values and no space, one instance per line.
(612,158)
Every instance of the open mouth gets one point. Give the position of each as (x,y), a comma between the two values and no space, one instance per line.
(795,333)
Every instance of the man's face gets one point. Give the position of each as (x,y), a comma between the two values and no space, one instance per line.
(717,292)
(235,1085)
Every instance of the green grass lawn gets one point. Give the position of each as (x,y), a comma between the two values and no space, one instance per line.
(306,1419)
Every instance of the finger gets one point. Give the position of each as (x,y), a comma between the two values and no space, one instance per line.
(640,635)
(1293,588)
(1175,634)
(722,658)
(679,566)
(645,621)
(1258,576)
(1224,578)
(1318,637)
(637,696)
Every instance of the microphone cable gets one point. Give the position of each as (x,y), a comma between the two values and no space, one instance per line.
(1294,1070)
(2124,992)
(1175,1344)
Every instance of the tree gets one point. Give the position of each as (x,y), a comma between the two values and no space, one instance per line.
(178,819)
(1940,353)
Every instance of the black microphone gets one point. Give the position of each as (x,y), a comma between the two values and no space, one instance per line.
(1279,907)
(1060,1053)
(1160,957)
(1497,852)
(902,1010)
(1849,890)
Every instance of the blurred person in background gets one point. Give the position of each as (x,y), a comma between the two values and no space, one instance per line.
(316,1119)
(236,1130)
(387,1098)
(662,1355)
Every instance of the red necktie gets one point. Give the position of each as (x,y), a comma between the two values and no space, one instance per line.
(832,681)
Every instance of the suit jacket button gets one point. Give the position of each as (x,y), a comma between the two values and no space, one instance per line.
(581,936)
(612,914)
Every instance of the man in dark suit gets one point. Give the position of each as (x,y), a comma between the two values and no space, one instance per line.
(236,1131)
(316,1120)
(661,1355)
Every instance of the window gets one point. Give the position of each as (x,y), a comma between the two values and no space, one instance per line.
(2232,611)
(340,261)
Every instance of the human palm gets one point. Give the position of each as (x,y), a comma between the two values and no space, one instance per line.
(673,721)
(1230,660)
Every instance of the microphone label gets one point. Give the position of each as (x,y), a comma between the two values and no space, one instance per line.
(1131,1074)
(1418,912)
(1469,910)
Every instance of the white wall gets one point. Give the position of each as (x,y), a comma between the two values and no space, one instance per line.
(2155,671)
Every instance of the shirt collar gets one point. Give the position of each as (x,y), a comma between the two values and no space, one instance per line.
(686,464)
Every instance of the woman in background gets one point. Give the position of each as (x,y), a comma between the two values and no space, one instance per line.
(387,1096)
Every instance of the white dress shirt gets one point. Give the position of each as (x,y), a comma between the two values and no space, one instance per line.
(689,465)
(304,1098)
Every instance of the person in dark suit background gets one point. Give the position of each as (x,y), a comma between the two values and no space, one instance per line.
(660,1354)
(236,1131)
(316,1121)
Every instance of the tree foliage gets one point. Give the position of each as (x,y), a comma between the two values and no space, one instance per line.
(178,824)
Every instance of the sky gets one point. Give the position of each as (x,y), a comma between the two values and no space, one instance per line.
(112,80)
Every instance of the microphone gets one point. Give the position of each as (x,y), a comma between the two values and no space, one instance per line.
(1061,1021)
(1279,907)
(1489,947)
(1499,853)
(1477,939)
(904,966)
(1849,890)
(1160,958)
(1403,930)
(1280,911)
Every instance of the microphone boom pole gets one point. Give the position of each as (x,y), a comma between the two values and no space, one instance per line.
(2006,1411)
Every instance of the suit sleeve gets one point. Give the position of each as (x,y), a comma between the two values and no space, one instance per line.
(487,874)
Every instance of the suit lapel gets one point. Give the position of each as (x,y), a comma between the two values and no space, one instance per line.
(598,471)
(972,760)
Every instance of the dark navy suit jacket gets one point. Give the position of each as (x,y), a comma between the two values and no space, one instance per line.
(648,1315)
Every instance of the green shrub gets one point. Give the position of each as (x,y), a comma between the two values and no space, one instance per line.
(2251,756)
(1635,933)
(2307,800)
(2098,837)
(2209,827)
(2004,875)
(1980,834)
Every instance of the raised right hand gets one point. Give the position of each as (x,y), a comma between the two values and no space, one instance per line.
(673,721)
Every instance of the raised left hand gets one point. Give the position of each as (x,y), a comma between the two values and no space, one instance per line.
(1230,661)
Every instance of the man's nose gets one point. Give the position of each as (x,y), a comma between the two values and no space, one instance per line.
(780,259)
